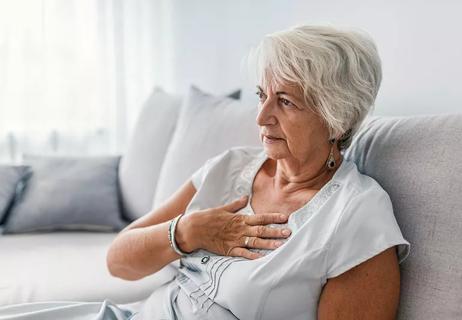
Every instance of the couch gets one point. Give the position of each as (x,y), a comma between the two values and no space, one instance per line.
(415,159)
(71,265)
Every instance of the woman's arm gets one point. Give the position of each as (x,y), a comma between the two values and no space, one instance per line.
(367,291)
(142,248)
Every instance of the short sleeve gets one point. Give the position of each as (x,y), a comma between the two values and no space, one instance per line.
(366,228)
(197,178)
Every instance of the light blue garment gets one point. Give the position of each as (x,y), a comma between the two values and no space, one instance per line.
(347,222)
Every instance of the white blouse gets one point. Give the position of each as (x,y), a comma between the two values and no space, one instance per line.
(347,222)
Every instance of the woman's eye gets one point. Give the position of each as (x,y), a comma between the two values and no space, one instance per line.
(260,95)
(286,102)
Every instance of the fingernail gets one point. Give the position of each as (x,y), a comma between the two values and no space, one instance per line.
(286,232)
(278,243)
(282,216)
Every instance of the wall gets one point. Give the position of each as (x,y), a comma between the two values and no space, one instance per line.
(419,43)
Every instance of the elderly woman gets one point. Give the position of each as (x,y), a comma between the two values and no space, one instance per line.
(287,231)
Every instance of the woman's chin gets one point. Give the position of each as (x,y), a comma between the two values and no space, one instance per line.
(272,151)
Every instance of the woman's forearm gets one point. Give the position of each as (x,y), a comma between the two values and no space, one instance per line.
(139,252)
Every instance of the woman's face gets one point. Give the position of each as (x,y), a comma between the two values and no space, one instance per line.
(288,128)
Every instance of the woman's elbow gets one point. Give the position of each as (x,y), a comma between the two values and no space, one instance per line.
(118,270)
(111,264)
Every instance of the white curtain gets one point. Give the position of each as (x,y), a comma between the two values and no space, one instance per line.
(74,73)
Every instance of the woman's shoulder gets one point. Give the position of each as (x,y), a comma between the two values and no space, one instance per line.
(365,225)
(225,163)
(239,155)
(357,182)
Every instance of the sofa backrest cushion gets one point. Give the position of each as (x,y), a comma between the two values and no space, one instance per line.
(417,160)
(207,125)
(140,165)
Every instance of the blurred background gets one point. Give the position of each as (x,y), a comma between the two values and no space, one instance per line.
(74,73)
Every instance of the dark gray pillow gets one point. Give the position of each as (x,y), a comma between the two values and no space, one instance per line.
(68,193)
(10,176)
(236,95)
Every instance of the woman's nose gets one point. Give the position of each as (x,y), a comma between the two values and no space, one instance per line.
(265,114)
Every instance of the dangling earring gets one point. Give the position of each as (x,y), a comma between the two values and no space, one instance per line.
(330,163)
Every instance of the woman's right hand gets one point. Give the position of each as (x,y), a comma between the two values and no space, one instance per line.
(221,231)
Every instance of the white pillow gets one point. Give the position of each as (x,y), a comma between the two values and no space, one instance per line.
(140,166)
(207,126)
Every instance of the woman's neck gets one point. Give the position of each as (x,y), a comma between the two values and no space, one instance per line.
(290,176)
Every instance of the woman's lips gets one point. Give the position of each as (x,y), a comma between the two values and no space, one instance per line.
(270,139)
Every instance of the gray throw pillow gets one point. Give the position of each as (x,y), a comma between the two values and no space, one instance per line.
(68,193)
(236,95)
(10,176)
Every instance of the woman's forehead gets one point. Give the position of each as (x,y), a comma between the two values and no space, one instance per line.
(275,87)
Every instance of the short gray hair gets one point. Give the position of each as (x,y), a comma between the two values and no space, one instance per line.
(339,72)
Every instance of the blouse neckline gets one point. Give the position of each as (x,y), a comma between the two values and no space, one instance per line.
(314,203)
